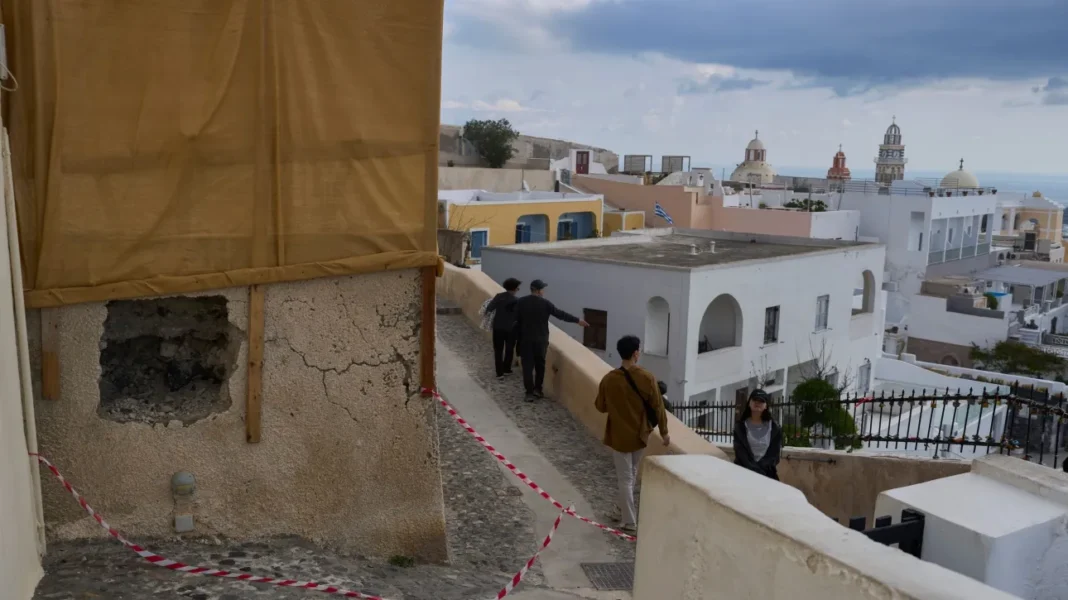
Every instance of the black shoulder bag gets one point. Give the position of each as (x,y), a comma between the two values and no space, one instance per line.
(650,412)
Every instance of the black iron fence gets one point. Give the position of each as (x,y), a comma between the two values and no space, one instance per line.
(1027,422)
(907,534)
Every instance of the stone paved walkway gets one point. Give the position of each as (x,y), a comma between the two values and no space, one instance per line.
(580,457)
(492,526)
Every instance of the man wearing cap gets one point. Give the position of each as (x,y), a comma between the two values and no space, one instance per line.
(532,323)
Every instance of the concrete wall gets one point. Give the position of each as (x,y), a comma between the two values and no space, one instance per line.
(622,221)
(771,222)
(679,202)
(348,456)
(572,372)
(711,531)
(1022,551)
(930,320)
(939,352)
(494,180)
(836,224)
(20,568)
(530,152)
(847,484)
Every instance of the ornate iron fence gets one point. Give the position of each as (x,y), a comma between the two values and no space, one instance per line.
(1027,422)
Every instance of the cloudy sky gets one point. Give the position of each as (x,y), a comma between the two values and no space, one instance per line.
(986,80)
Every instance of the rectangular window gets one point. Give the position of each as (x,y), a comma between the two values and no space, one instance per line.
(479,240)
(596,335)
(823,304)
(771,325)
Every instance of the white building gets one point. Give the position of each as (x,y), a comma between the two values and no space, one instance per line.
(716,311)
(928,230)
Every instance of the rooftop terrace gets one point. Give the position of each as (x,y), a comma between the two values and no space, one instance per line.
(674,248)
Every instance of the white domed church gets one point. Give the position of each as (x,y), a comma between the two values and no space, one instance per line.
(960,179)
(755,169)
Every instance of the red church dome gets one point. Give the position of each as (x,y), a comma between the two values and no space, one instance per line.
(839,171)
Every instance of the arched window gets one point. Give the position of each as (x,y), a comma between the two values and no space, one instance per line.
(721,325)
(864,296)
(1016,223)
(657,326)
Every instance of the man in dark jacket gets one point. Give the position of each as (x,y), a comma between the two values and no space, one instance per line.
(532,323)
(504,335)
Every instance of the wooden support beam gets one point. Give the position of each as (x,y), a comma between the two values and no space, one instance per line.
(255,364)
(50,353)
(428,331)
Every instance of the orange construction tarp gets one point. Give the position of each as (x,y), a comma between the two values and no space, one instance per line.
(167,146)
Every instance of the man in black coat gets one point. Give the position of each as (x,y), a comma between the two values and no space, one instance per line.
(504,335)
(532,323)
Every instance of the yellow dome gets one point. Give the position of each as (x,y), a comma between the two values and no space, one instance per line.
(960,179)
(1037,194)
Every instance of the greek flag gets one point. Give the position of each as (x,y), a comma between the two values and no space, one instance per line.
(660,212)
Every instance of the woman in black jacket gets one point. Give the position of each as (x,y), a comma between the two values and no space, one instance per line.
(758,438)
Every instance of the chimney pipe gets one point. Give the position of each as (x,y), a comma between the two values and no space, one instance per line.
(712,247)
(693,249)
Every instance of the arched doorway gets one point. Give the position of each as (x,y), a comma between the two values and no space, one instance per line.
(721,325)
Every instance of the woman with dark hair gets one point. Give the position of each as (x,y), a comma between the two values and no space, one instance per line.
(758,438)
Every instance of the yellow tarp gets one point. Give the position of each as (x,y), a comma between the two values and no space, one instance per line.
(164,146)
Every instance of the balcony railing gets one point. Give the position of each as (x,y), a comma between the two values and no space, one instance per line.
(1018,422)
(951,254)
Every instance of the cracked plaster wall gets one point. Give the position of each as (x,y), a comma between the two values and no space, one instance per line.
(348,457)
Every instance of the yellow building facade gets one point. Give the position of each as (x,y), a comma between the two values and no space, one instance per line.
(623,221)
(503,219)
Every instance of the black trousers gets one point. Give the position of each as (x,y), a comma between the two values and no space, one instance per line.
(533,354)
(503,346)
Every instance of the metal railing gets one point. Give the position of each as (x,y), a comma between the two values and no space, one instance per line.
(1026,422)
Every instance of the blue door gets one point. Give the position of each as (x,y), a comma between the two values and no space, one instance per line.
(522,233)
(565,230)
(479,240)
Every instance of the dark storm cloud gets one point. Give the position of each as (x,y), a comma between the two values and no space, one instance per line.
(718,84)
(1055,92)
(846,45)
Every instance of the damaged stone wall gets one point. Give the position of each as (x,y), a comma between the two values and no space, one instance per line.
(348,456)
(163,359)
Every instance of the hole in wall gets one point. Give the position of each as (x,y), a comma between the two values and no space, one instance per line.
(166,359)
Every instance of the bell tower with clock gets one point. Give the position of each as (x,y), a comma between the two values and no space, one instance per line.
(890,163)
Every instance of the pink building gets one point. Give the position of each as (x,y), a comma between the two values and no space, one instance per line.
(692,208)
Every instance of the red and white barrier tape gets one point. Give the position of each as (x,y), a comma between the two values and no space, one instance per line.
(160,561)
(514,581)
(521,475)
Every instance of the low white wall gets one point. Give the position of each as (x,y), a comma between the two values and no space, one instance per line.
(911,374)
(1054,387)
(1022,551)
(928,319)
(835,224)
(710,530)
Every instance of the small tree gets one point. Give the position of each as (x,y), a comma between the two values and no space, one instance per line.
(818,404)
(492,139)
(991,301)
(1017,358)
